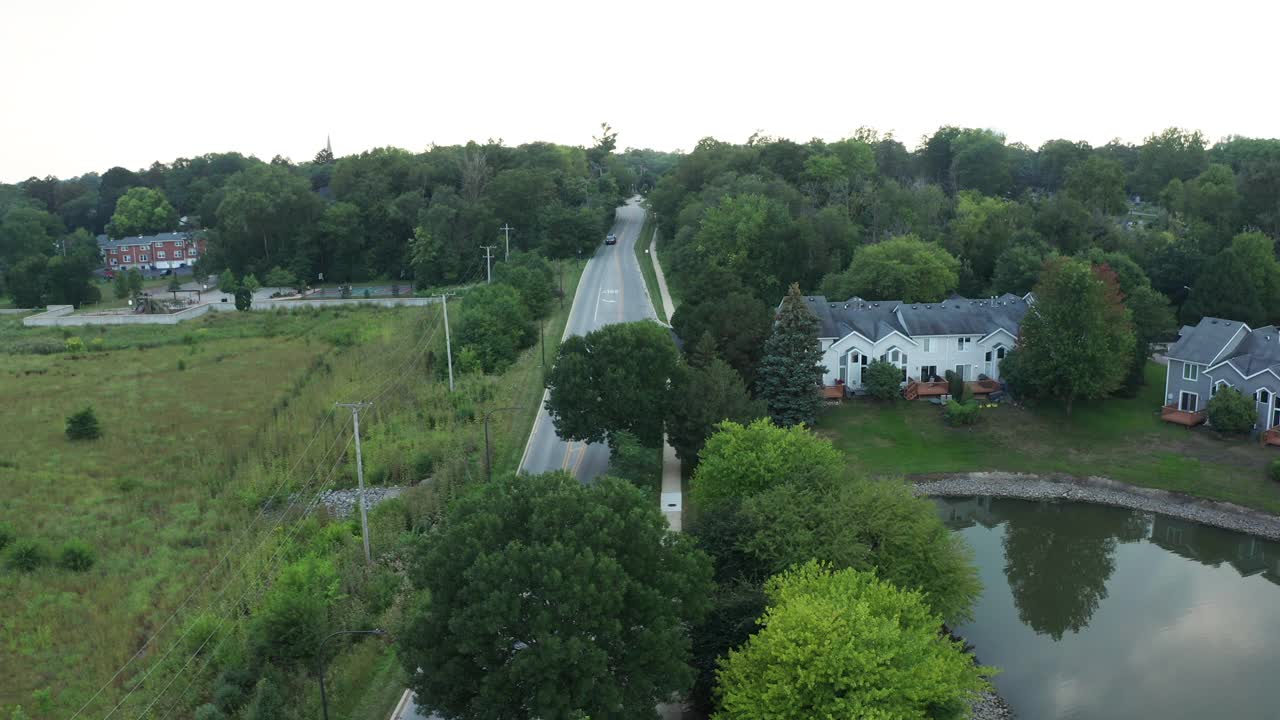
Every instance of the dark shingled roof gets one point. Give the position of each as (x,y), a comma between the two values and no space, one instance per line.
(874,319)
(1202,343)
(106,242)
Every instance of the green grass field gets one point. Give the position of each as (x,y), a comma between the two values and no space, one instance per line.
(201,422)
(1121,438)
(646,267)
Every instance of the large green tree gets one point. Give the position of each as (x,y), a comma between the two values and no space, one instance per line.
(791,369)
(614,378)
(142,211)
(1076,341)
(1097,183)
(739,461)
(494,323)
(903,267)
(705,392)
(846,644)
(737,322)
(1240,283)
(546,598)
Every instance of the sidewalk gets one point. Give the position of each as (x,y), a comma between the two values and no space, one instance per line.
(672,497)
(668,305)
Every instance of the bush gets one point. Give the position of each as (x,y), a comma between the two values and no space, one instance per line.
(83,425)
(74,345)
(1273,471)
(6,535)
(209,712)
(97,344)
(423,464)
(76,555)
(244,299)
(966,413)
(279,277)
(1230,412)
(883,380)
(182,364)
(26,556)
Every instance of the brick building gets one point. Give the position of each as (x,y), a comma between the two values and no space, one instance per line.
(154,252)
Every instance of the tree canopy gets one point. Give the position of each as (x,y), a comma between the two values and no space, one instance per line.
(844,643)
(901,268)
(791,370)
(142,211)
(546,598)
(739,461)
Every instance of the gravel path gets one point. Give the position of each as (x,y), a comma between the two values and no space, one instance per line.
(1105,491)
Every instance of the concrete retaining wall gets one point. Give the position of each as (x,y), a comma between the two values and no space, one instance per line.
(60,315)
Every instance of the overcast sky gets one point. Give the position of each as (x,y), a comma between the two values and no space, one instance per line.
(88,85)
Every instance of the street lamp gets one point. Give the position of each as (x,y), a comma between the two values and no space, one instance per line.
(324,702)
(488,461)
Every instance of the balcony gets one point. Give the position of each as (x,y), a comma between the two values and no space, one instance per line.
(1171,413)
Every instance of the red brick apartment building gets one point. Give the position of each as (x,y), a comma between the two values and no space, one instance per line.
(155,252)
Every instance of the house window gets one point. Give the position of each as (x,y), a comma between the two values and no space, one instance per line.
(144,258)
(894,356)
(927,345)
(1190,371)
(177,254)
(1188,401)
(1263,396)
(128,258)
(160,255)
(1000,353)
(115,261)
(963,343)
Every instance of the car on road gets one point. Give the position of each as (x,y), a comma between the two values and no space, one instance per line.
(611,239)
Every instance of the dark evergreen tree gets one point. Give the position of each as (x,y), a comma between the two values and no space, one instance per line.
(703,393)
(791,369)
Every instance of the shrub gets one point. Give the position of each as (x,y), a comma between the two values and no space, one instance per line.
(97,344)
(76,555)
(74,345)
(279,277)
(244,299)
(182,364)
(883,380)
(1273,470)
(6,535)
(1230,412)
(423,464)
(209,712)
(26,556)
(966,413)
(83,425)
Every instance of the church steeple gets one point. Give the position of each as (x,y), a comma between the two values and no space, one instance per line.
(328,146)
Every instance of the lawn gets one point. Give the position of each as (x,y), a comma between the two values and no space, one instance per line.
(1121,438)
(646,267)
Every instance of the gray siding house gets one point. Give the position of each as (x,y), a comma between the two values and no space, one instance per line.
(1219,352)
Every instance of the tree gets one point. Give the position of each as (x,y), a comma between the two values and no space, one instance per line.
(612,379)
(83,425)
(134,278)
(875,525)
(1171,154)
(227,282)
(980,161)
(494,324)
(547,598)
(286,630)
(244,299)
(26,232)
(1152,321)
(883,380)
(533,277)
(27,281)
(704,392)
(265,216)
(845,644)
(903,267)
(1018,269)
(1098,184)
(1231,412)
(250,283)
(281,278)
(1054,160)
(633,462)
(1077,339)
(737,322)
(740,461)
(142,211)
(1236,284)
(791,369)
(120,284)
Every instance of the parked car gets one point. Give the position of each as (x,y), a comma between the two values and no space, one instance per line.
(611,239)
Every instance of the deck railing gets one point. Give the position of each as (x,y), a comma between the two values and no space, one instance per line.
(1171,413)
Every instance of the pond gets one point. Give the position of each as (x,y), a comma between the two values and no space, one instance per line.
(1098,612)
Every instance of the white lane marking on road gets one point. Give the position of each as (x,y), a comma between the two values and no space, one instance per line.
(595,317)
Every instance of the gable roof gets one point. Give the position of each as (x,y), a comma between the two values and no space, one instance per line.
(136,240)
(1204,342)
(877,319)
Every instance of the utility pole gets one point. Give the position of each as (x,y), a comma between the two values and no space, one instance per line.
(488,266)
(506,229)
(364,515)
(448,347)
(488,461)
(560,267)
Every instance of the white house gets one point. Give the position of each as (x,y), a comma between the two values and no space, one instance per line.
(926,340)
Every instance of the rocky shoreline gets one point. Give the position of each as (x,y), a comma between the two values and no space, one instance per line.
(990,706)
(1104,491)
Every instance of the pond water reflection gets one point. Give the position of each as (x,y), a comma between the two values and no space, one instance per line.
(1098,612)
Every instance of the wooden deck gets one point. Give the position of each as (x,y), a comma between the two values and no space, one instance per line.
(1271,437)
(833,392)
(916,389)
(1171,413)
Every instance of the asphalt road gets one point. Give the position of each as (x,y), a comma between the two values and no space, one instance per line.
(611,290)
